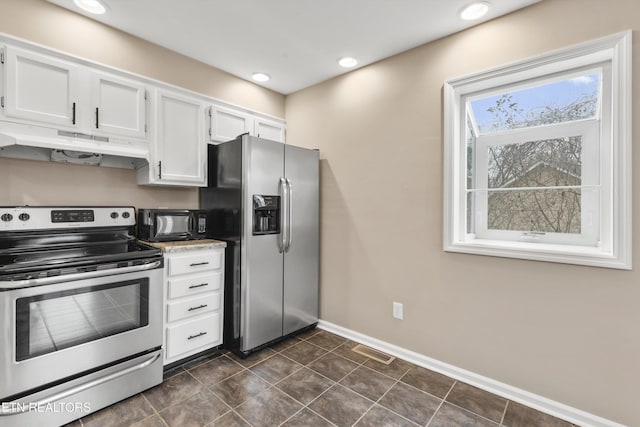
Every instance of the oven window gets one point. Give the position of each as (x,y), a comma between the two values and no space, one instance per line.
(54,321)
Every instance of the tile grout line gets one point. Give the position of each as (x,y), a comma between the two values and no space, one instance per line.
(324,392)
(224,379)
(268,381)
(205,388)
(240,415)
(504,414)
(441,403)
(361,365)
(302,366)
(156,412)
(301,403)
(473,413)
(199,362)
(444,400)
(377,402)
(338,382)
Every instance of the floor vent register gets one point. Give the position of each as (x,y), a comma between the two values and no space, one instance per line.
(373,354)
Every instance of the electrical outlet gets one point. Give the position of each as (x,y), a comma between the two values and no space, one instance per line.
(397,310)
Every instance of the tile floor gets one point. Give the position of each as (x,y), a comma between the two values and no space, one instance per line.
(313,380)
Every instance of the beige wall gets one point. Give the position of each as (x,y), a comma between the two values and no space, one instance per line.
(569,333)
(30,182)
(33,182)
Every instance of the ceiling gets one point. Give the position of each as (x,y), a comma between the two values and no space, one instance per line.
(296,42)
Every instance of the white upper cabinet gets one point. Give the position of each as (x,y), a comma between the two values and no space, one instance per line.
(178,152)
(54,101)
(40,88)
(119,105)
(48,91)
(268,129)
(226,124)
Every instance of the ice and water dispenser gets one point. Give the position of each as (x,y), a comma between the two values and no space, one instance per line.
(266,214)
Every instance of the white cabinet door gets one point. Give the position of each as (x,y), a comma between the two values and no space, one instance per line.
(268,129)
(40,88)
(118,105)
(226,124)
(179,149)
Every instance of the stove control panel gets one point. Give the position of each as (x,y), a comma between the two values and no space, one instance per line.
(85,215)
(42,218)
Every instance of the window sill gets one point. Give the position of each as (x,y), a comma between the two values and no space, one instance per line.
(565,254)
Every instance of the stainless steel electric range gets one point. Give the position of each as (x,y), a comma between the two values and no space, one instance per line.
(80,312)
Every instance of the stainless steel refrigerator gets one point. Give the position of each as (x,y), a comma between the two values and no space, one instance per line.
(263,200)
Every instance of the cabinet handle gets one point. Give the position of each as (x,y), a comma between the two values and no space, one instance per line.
(196,336)
(160,169)
(73,114)
(195,264)
(197,308)
(198,286)
(97,118)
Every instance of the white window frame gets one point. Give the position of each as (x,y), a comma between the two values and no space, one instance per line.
(607,245)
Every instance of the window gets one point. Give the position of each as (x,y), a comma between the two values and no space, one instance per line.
(537,158)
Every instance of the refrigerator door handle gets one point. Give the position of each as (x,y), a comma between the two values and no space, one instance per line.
(283,215)
(289,214)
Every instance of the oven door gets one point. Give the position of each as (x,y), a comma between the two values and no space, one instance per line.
(70,325)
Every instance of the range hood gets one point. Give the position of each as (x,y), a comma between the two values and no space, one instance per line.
(38,143)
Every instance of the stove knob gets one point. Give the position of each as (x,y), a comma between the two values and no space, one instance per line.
(126,215)
(114,215)
(6,217)
(24,217)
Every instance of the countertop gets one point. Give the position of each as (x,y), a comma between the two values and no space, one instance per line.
(186,245)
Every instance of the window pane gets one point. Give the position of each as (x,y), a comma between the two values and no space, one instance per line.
(471,143)
(558,102)
(543,163)
(548,211)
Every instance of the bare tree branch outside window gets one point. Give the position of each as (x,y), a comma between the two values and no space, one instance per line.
(520,174)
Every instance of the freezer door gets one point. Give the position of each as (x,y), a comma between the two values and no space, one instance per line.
(301,256)
(262,261)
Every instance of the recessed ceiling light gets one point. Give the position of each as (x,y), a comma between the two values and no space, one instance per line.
(260,77)
(347,62)
(91,6)
(474,11)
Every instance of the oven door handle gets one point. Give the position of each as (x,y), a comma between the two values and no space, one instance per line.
(12,408)
(19,284)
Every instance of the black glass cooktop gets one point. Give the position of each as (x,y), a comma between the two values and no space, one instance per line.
(28,252)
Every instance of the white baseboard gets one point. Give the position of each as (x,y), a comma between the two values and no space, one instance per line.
(548,406)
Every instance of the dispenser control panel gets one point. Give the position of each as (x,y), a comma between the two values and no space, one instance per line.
(266,214)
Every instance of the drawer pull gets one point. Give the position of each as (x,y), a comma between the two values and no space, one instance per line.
(196,336)
(197,308)
(195,264)
(198,286)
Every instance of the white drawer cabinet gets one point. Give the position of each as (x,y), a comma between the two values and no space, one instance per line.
(194,301)
(194,262)
(193,285)
(192,337)
(178,310)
